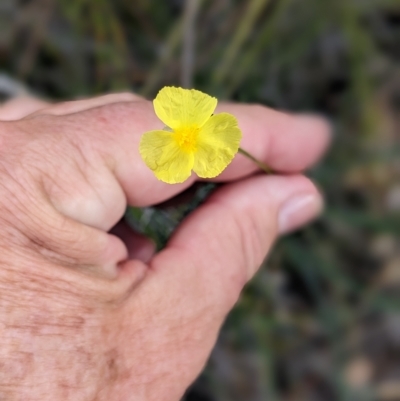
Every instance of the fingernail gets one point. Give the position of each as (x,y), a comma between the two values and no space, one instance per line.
(299,210)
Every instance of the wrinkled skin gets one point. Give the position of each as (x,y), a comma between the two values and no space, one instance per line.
(89,314)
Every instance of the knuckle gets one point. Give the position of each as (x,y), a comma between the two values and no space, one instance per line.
(120,117)
(29,220)
(35,169)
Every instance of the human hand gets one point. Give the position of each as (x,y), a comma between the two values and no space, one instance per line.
(89,315)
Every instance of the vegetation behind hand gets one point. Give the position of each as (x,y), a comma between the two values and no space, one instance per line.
(320,320)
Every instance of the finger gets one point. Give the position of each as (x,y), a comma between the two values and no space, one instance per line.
(221,245)
(20,107)
(112,173)
(64,241)
(116,256)
(192,284)
(139,246)
(244,219)
(285,142)
(77,106)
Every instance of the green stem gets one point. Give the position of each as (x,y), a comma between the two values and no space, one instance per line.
(262,165)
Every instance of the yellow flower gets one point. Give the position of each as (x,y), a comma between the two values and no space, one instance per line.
(194,140)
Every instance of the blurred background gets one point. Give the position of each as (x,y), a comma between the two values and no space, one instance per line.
(321,320)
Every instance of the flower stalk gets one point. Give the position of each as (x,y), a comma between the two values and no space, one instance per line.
(259,164)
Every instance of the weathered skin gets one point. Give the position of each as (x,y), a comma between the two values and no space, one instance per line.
(86,315)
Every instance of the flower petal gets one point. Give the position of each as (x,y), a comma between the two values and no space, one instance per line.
(218,142)
(177,107)
(162,154)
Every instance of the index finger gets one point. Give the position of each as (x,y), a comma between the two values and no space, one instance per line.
(287,143)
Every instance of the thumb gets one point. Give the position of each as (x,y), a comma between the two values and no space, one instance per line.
(192,284)
(223,243)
